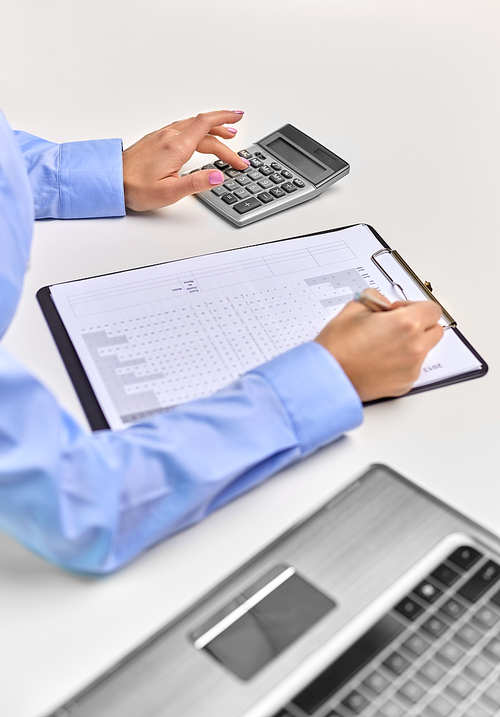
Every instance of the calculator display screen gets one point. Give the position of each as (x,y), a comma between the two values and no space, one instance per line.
(293,156)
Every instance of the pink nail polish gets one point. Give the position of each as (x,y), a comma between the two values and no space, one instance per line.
(232,130)
(215,177)
(238,112)
(246,161)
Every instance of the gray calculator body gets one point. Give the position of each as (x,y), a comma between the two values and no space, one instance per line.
(287,167)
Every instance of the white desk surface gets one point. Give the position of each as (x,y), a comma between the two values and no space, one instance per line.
(407,92)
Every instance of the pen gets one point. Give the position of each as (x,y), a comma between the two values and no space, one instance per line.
(371,302)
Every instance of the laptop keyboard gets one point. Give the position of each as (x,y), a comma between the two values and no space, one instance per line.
(434,654)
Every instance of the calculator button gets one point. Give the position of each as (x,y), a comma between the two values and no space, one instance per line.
(256,163)
(286,174)
(260,155)
(231,172)
(208,166)
(247,205)
(194,170)
(276,166)
(298,182)
(265,197)
(243,180)
(254,174)
(245,154)
(276,178)
(219,191)
(220,164)
(231,186)
(265,183)
(241,193)
(229,198)
(253,188)
(289,187)
(277,192)
(265,170)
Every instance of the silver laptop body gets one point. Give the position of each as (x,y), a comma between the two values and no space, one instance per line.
(354,611)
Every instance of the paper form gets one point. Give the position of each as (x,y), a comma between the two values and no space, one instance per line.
(152,338)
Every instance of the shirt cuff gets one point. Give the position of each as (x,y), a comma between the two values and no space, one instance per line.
(321,401)
(91,179)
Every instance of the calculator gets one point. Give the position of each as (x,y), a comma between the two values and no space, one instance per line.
(287,167)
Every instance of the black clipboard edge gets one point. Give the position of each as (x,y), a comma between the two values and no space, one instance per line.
(83,387)
(74,366)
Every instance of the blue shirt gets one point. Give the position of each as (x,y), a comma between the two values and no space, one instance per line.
(91,503)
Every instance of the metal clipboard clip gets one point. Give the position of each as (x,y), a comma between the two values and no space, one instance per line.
(425,287)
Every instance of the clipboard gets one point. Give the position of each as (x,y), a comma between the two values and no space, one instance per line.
(84,387)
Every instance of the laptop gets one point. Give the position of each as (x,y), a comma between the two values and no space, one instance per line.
(385,602)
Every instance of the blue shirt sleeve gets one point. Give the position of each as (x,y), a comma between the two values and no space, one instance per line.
(16,224)
(74,180)
(91,503)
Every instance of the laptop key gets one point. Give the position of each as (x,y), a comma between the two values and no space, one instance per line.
(434,626)
(461,686)
(468,634)
(477,711)
(431,672)
(492,649)
(465,557)
(450,654)
(480,581)
(412,692)
(478,668)
(441,707)
(396,663)
(356,702)
(376,682)
(492,695)
(445,575)
(496,599)
(409,608)
(486,617)
(427,591)
(452,609)
(391,709)
(416,644)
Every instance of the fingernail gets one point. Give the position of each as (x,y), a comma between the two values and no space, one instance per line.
(246,161)
(215,177)
(238,112)
(232,130)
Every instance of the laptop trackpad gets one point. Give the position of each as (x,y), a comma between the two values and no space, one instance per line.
(262,621)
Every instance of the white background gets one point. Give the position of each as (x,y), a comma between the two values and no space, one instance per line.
(407,92)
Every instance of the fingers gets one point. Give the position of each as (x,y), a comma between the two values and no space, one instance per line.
(432,337)
(370,293)
(220,131)
(424,314)
(175,188)
(224,132)
(195,134)
(211,145)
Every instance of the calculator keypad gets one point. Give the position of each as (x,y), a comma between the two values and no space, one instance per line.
(265,181)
